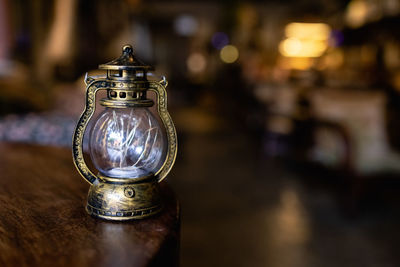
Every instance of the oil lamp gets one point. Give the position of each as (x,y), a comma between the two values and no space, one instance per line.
(127,144)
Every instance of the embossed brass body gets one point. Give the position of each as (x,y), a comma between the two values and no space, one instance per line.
(127,85)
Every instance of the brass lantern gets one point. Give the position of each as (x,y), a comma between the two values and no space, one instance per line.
(127,144)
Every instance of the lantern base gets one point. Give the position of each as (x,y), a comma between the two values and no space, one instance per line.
(124,199)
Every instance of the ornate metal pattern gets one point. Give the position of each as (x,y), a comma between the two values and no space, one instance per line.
(122,198)
(123,215)
(116,201)
(161,93)
(137,103)
(77,141)
(133,85)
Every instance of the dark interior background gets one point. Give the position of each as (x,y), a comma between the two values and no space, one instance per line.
(289,151)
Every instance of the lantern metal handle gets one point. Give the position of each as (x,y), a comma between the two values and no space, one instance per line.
(161,92)
(92,86)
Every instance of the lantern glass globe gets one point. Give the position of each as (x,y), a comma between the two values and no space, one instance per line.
(127,143)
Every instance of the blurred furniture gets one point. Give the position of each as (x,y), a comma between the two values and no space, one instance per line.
(362,116)
(337,137)
(280,102)
(335,127)
(43,221)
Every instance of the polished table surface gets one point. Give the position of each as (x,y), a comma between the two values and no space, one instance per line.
(43,221)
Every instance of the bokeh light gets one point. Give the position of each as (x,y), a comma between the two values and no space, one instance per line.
(219,40)
(305,40)
(196,63)
(293,47)
(229,54)
(316,31)
(186,25)
(356,14)
(290,47)
(336,38)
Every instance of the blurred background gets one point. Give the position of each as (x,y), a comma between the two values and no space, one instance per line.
(286,111)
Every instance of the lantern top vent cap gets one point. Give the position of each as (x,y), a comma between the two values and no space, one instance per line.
(127,61)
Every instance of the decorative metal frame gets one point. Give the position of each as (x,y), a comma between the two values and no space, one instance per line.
(138,197)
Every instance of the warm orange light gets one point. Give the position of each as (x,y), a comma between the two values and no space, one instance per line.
(229,54)
(305,40)
(315,31)
(356,13)
(298,63)
(293,47)
(290,47)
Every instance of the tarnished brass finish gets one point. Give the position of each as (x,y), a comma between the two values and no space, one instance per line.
(127,86)
(124,201)
(159,89)
(126,103)
(127,61)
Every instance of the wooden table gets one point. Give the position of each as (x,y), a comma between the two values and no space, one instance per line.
(43,221)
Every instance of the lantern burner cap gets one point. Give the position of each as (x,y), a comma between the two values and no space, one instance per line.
(127,61)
